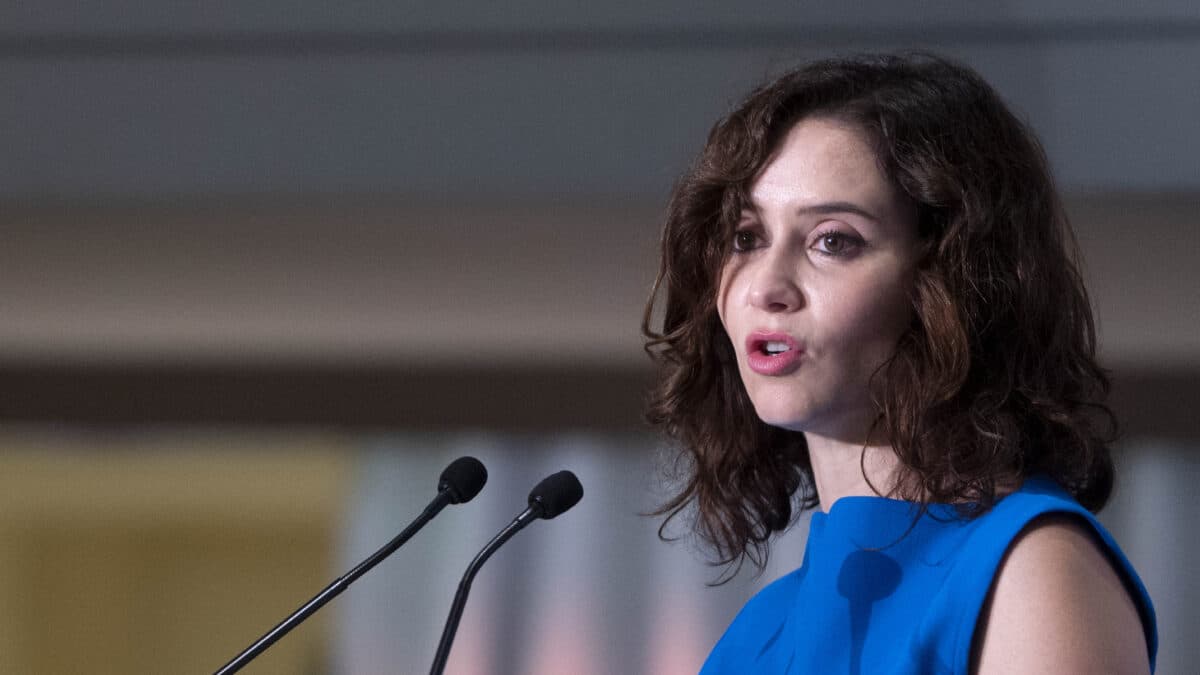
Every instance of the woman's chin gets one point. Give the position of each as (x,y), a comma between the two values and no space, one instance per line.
(783,419)
(851,430)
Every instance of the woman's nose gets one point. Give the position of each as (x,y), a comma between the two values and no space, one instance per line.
(774,287)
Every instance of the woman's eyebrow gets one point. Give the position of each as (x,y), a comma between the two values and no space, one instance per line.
(819,209)
(827,208)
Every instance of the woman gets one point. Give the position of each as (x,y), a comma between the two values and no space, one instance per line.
(870,307)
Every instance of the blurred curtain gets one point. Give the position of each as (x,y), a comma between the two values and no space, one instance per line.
(1154,514)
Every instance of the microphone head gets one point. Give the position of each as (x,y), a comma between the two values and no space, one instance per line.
(555,494)
(463,479)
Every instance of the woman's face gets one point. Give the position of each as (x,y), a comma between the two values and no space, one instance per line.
(814,295)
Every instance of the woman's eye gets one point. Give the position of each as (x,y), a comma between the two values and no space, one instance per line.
(837,243)
(744,240)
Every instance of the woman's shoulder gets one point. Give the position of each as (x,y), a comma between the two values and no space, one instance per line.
(1059,605)
(1038,501)
(771,604)
(1035,540)
(756,626)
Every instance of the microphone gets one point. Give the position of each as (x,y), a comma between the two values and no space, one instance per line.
(554,495)
(459,483)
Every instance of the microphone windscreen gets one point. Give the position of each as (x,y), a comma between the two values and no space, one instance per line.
(555,494)
(463,479)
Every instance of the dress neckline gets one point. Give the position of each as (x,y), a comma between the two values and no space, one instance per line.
(874,517)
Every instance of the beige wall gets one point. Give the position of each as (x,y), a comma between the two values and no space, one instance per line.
(379,281)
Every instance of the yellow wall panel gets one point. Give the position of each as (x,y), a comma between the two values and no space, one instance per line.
(164,552)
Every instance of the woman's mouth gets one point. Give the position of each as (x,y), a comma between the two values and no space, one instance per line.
(773,353)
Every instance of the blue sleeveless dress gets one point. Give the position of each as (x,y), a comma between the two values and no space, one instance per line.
(873,596)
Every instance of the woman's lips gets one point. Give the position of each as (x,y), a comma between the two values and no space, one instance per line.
(772,353)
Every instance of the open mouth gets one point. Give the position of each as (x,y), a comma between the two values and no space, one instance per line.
(771,344)
(773,353)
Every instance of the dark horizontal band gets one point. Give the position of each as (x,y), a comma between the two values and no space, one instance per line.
(1158,403)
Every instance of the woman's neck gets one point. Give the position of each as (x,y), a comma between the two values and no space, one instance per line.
(842,469)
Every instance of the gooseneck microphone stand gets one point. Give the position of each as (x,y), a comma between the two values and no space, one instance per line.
(460,482)
(464,588)
(549,498)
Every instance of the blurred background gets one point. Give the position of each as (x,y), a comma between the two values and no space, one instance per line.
(266,267)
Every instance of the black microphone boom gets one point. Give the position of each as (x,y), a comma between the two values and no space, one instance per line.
(459,483)
(554,495)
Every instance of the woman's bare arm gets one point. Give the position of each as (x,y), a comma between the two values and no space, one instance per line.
(1058,606)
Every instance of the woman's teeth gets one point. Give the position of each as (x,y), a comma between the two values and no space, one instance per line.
(775,347)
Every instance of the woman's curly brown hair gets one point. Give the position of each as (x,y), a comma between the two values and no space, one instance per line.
(995,379)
